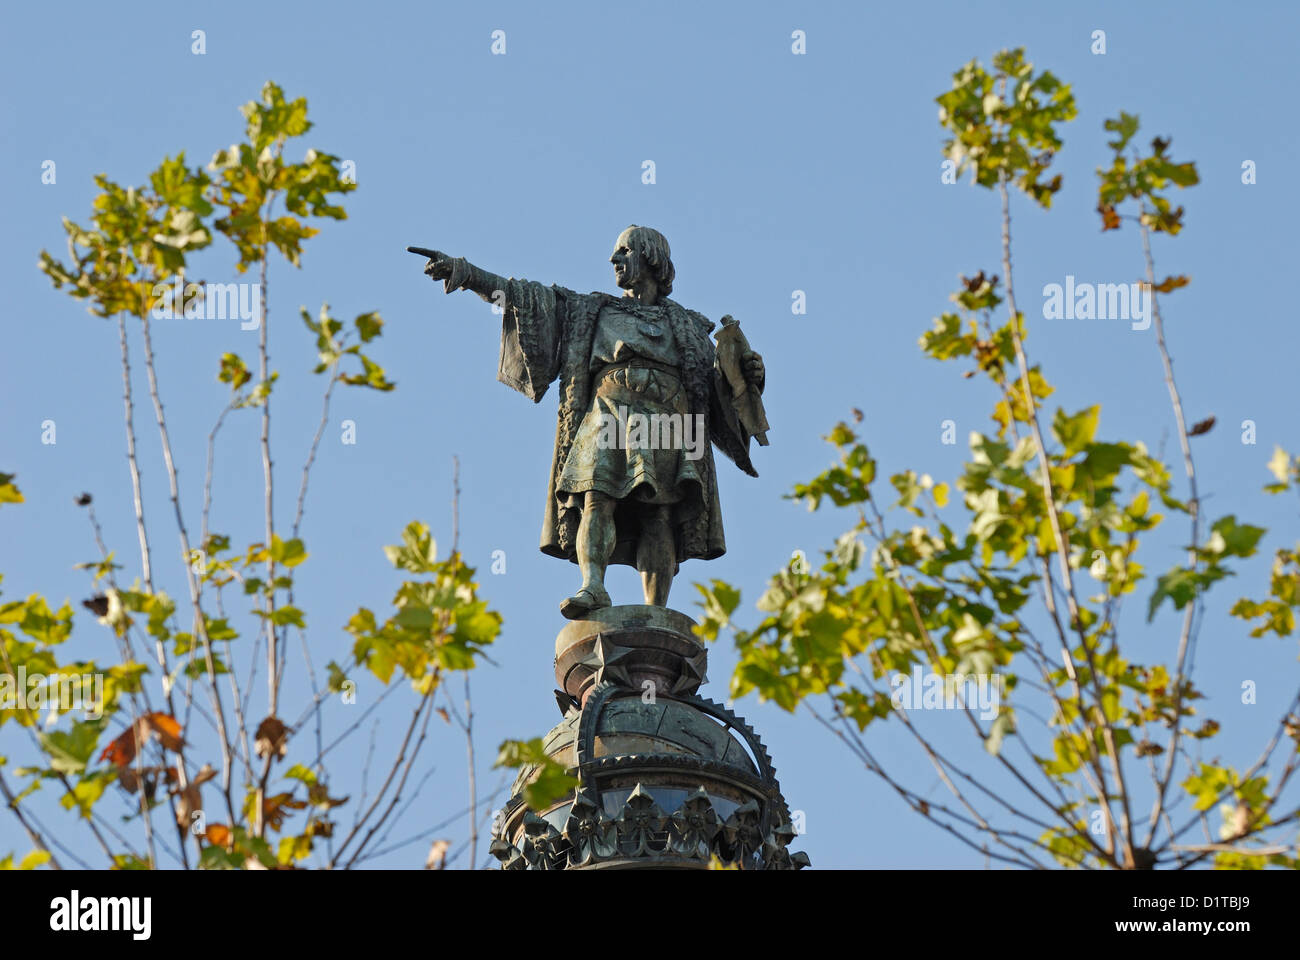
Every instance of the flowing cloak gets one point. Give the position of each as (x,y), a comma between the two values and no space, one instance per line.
(546,335)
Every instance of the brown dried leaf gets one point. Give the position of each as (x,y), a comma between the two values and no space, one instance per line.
(318,795)
(276,808)
(1170,284)
(190,800)
(272,738)
(128,778)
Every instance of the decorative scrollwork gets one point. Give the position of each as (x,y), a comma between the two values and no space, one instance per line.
(642,831)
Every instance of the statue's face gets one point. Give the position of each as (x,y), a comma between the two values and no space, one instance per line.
(629,266)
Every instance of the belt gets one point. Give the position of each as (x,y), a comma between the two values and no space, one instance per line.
(639,362)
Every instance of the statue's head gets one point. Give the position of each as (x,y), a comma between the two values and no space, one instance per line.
(641,253)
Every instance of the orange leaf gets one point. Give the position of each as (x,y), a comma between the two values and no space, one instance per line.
(218,835)
(165,727)
(122,750)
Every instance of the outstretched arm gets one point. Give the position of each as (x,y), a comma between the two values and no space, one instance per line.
(532,319)
(457,273)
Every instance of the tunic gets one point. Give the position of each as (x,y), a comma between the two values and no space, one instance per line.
(638,440)
(607,355)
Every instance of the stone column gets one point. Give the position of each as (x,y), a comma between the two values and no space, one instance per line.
(667,779)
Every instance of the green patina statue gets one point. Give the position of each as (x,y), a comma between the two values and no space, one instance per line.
(642,394)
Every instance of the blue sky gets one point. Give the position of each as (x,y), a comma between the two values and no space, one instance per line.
(774,173)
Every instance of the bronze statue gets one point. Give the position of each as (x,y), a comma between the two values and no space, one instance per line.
(641,396)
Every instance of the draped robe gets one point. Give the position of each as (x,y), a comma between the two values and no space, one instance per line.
(547,334)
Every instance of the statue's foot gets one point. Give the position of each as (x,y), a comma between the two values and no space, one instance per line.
(584,601)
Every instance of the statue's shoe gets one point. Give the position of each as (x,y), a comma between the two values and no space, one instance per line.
(583,602)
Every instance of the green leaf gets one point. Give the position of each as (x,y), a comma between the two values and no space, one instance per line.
(1181,585)
(1075,432)
(301,773)
(1229,538)
(70,750)
(8,492)
(550,781)
(287,553)
(288,615)
(551,786)
(233,371)
(337,678)
(1124,127)
(372,376)
(1208,784)
(415,618)
(417,552)
(368,326)
(476,625)
(220,629)
(720,602)
(87,792)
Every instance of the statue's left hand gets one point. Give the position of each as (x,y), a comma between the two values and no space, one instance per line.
(755,372)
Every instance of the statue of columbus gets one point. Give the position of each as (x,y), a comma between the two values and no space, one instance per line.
(641,397)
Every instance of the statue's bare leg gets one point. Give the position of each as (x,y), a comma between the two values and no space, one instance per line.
(594,547)
(656,555)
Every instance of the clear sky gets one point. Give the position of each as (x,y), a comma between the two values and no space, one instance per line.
(775,172)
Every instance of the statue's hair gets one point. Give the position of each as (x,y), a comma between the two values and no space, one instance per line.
(654,247)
